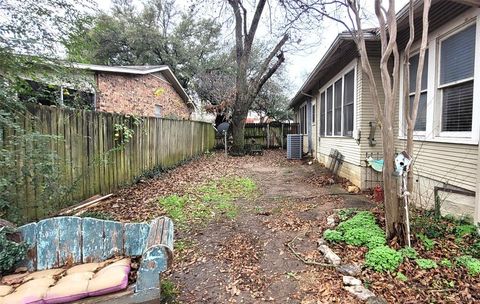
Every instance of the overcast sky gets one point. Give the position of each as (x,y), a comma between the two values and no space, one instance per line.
(301,63)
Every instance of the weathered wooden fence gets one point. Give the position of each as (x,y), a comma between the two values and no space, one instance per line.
(269,135)
(97,157)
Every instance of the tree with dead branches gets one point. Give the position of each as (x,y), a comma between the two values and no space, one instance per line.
(246,87)
(349,13)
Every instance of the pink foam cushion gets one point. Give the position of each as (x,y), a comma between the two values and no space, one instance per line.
(70,288)
(31,292)
(108,280)
(49,273)
(5,290)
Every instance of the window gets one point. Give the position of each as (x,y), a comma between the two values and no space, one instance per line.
(313,113)
(322,114)
(421,122)
(158,111)
(348,101)
(329,110)
(338,107)
(457,62)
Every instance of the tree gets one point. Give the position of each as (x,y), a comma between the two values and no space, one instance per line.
(155,34)
(390,66)
(247,88)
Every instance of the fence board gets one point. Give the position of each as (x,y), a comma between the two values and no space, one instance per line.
(90,158)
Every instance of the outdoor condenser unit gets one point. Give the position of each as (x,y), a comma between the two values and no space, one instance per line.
(294,146)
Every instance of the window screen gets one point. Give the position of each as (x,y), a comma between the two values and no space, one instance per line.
(322,114)
(457,108)
(421,123)
(457,62)
(457,57)
(338,107)
(329,109)
(348,101)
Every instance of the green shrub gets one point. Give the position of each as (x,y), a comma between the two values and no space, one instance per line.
(464,230)
(409,253)
(383,258)
(361,219)
(10,252)
(470,263)
(98,215)
(364,235)
(376,240)
(401,277)
(427,243)
(426,263)
(446,263)
(332,236)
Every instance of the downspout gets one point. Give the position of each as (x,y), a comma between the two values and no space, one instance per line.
(476,216)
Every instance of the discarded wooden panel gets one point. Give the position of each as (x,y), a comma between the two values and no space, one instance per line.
(92,231)
(135,238)
(113,239)
(29,236)
(69,240)
(47,244)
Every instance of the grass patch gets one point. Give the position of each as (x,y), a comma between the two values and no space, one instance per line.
(215,198)
(169,291)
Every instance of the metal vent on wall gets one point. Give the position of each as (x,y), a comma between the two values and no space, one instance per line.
(294,146)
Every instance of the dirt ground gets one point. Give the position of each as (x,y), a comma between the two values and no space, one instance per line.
(246,259)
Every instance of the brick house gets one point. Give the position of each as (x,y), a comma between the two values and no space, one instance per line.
(138,90)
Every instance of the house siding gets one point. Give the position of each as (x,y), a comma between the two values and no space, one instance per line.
(138,95)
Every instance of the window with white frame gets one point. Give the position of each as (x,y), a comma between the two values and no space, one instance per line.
(421,122)
(303,119)
(337,106)
(158,111)
(457,62)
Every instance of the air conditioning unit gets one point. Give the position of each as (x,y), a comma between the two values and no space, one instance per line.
(294,146)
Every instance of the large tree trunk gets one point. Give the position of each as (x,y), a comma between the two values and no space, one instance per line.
(238,132)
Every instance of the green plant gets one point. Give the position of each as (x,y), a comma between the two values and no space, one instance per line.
(98,215)
(122,134)
(174,206)
(383,258)
(332,236)
(473,250)
(465,230)
(345,214)
(470,263)
(446,263)
(409,253)
(361,219)
(168,291)
(11,252)
(401,277)
(427,243)
(426,263)
(370,236)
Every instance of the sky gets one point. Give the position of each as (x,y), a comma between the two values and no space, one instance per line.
(299,63)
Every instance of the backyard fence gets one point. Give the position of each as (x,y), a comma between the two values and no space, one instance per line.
(268,135)
(100,152)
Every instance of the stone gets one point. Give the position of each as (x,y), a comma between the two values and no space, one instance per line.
(331,257)
(351,281)
(360,292)
(350,269)
(376,300)
(353,189)
(331,220)
(321,241)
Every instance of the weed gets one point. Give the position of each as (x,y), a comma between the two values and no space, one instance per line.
(11,252)
(426,263)
(409,253)
(446,263)
(383,258)
(465,230)
(473,250)
(345,214)
(470,263)
(427,243)
(182,245)
(362,230)
(401,277)
(168,291)
(333,236)
(174,206)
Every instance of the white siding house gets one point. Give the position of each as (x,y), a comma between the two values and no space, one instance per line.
(447,130)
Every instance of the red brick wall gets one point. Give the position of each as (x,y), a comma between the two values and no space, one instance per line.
(138,95)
